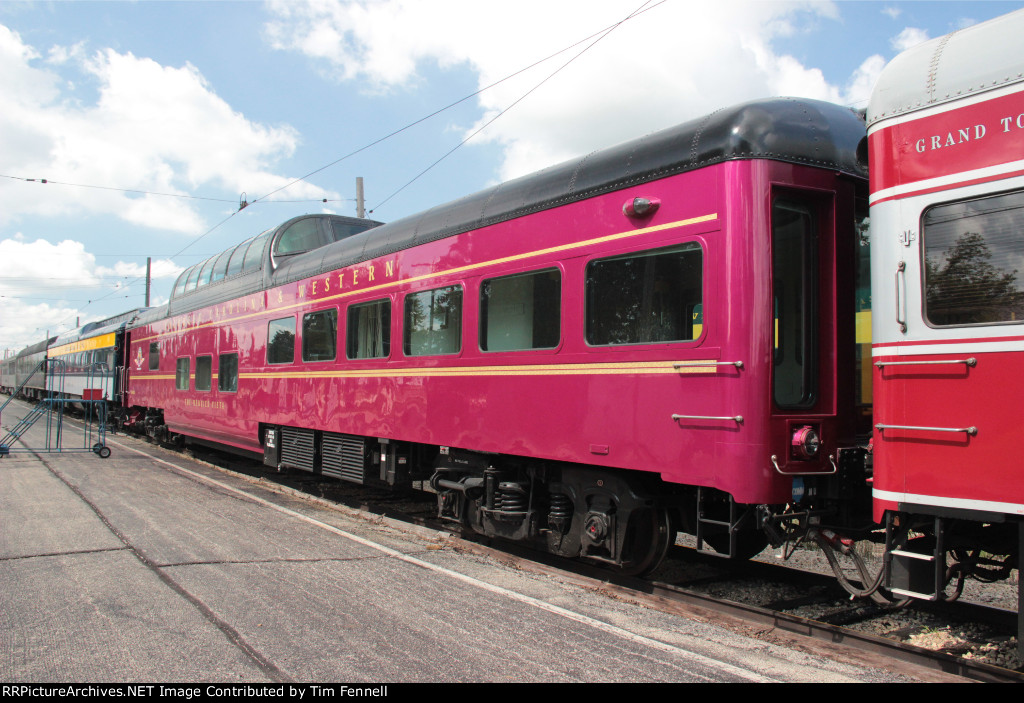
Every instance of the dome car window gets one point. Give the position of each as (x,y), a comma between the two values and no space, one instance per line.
(220,268)
(301,236)
(235,265)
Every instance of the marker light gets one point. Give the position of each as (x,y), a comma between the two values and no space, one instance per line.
(805,443)
(640,207)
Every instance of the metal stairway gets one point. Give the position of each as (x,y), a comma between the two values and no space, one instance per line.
(52,407)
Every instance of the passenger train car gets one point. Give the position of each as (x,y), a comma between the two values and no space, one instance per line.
(946,135)
(587,358)
(84,363)
(19,371)
(678,334)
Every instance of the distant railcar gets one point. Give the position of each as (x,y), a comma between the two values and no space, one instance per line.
(85,363)
(26,376)
(8,374)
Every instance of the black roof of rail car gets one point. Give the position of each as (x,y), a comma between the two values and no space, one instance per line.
(792,130)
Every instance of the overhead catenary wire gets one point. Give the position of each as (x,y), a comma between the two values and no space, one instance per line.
(263,199)
(599,34)
(184,196)
(596,37)
(518,100)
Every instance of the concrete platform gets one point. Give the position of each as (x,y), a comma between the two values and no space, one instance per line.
(148,567)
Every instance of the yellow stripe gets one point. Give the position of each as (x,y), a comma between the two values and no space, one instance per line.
(448,272)
(101,342)
(639,368)
(609,369)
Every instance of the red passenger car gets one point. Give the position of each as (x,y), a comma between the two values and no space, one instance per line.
(947,216)
(656,337)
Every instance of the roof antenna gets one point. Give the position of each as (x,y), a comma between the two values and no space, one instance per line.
(242,204)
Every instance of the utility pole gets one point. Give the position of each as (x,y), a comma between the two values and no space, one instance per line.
(360,207)
(149,261)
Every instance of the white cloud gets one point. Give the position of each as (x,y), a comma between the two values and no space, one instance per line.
(152,128)
(53,266)
(38,277)
(862,82)
(161,268)
(909,37)
(677,61)
(45,286)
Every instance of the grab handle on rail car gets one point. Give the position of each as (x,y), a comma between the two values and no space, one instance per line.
(738,419)
(970,362)
(831,460)
(972,430)
(901,296)
(688,364)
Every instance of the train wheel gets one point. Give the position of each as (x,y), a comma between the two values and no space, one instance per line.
(648,538)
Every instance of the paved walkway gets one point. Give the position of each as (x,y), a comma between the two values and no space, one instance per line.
(139,568)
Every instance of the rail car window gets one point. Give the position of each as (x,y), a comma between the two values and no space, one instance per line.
(301,236)
(974,261)
(343,230)
(227,374)
(254,256)
(795,286)
(193,278)
(220,267)
(320,335)
(643,298)
(521,311)
(204,372)
(369,330)
(154,356)
(237,257)
(179,285)
(206,273)
(433,322)
(281,341)
(181,374)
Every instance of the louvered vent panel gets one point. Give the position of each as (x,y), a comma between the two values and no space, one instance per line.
(298,448)
(344,457)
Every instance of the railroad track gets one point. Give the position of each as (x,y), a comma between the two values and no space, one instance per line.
(769,601)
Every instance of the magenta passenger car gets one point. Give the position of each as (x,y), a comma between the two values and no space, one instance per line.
(592,357)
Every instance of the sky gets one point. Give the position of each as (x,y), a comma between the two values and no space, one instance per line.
(151,122)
